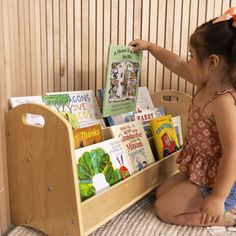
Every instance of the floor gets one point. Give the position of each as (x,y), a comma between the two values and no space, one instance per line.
(140,220)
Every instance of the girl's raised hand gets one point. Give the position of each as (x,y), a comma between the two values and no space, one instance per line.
(139,45)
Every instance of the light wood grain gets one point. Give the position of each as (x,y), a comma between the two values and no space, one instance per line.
(42,172)
(40,37)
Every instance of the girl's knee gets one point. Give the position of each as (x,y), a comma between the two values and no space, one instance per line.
(161,211)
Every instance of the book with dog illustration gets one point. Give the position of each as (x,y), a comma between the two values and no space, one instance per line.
(122,80)
(135,143)
(100,166)
(164,136)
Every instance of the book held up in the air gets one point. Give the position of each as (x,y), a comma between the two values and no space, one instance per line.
(122,80)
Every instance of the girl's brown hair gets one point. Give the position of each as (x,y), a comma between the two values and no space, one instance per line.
(219,39)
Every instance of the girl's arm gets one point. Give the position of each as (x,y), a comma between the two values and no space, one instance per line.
(170,60)
(224,111)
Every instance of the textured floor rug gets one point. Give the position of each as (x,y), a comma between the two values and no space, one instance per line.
(140,220)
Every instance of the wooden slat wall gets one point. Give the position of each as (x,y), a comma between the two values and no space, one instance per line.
(56,45)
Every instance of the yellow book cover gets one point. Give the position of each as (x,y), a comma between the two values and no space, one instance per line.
(87,136)
(164,136)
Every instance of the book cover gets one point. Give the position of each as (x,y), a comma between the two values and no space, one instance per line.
(122,80)
(178,128)
(144,101)
(87,136)
(100,166)
(164,136)
(80,108)
(31,119)
(135,143)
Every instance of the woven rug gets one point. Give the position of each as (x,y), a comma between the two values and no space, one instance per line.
(140,220)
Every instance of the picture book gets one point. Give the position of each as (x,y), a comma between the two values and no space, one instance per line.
(32,119)
(178,128)
(164,136)
(120,119)
(87,136)
(135,143)
(80,108)
(144,101)
(100,166)
(122,80)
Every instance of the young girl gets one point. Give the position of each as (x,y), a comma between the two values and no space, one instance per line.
(205,187)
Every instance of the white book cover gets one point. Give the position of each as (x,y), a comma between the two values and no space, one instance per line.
(178,128)
(145,115)
(31,119)
(144,101)
(134,140)
(100,166)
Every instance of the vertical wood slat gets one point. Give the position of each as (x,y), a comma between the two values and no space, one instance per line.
(184,38)
(63,45)
(70,45)
(145,36)
(92,45)
(99,48)
(160,41)
(106,38)
(152,38)
(192,27)
(43,15)
(85,44)
(56,46)
(168,41)
(50,46)
(78,45)
(121,22)
(4,94)
(176,40)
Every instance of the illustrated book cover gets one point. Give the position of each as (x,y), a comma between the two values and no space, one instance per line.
(87,136)
(80,108)
(135,143)
(77,105)
(164,136)
(100,166)
(122,80)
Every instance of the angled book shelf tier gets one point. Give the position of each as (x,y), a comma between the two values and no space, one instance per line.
(44,190)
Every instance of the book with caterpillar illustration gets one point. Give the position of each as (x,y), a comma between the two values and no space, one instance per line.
(100,166)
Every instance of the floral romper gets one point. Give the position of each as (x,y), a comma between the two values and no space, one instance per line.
(201,152)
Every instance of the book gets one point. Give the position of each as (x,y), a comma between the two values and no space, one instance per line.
(144,105)
(100,166)
(122,80)
(31,119)
(135,143)
(178,128)
(80,104)
(164,136)
(144,101)
(80,108)
(87,136)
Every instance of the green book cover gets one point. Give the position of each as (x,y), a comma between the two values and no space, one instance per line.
(122,80)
